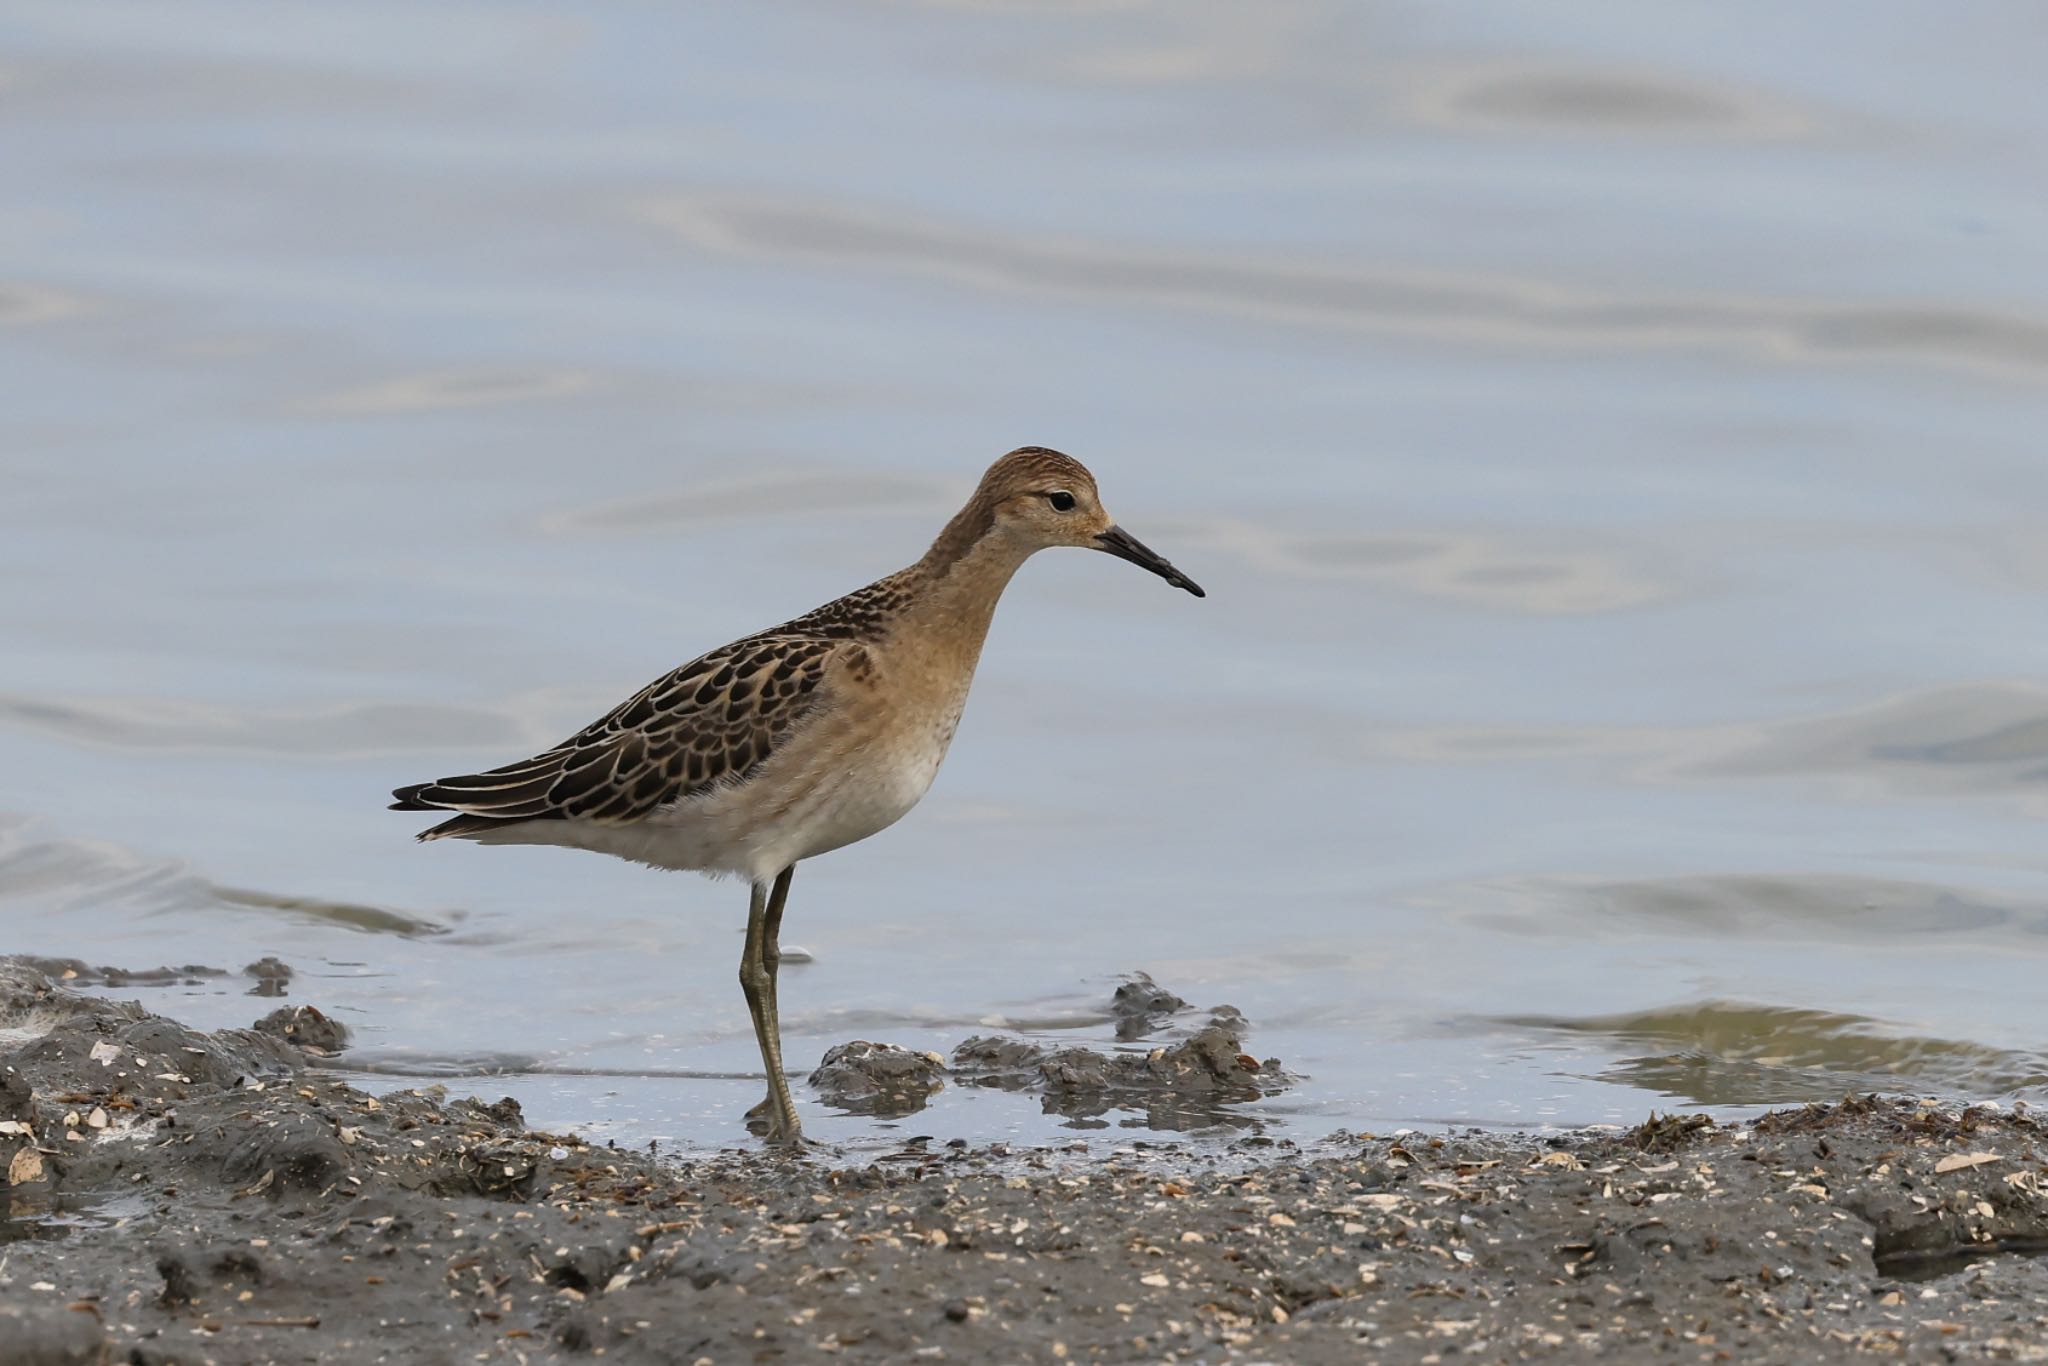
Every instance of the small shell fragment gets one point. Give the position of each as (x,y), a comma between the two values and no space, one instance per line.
(1956,1162)
(27,1166)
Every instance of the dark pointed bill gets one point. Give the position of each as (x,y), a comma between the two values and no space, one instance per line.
(1125,546)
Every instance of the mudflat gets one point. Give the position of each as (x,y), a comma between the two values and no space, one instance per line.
(178,1196)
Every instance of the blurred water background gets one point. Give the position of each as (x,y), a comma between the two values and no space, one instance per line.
(1611,437)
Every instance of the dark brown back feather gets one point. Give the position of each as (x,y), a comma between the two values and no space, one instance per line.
(712,721)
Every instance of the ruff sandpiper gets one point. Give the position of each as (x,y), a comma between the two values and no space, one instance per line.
(798,740)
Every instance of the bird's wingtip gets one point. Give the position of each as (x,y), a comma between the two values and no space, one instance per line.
(408,798)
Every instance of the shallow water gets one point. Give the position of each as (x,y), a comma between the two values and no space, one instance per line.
(1610,442)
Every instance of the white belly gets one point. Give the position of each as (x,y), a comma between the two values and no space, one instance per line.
(845,812)
(784,813)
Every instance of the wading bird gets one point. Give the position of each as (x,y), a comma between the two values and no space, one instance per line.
(800,739)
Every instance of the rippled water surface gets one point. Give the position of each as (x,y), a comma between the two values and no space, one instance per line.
(1611,438)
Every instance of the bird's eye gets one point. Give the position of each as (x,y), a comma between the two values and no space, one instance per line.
(1061,500)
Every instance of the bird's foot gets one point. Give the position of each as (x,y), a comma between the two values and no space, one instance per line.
(761,1121)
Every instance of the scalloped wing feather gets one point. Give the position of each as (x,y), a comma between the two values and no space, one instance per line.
(712,721)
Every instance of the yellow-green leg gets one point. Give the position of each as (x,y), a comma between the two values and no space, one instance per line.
(760,962)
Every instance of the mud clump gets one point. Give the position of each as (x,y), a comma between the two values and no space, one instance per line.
(306,1027)
(1141,1006)
(191,1275)
(878,1079)
(1191,1082)
(273,977)
(63,1042)
(1186,1084)
(77,972)
(1211,1062)
(294,1154)
(1668,1133)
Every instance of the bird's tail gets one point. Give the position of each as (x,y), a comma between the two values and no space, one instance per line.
(437,796)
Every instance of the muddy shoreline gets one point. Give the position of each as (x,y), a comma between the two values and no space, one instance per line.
(184,1197)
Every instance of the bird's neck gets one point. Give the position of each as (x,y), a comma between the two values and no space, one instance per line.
(962,578)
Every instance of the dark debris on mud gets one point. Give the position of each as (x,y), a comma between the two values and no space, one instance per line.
(231,1204)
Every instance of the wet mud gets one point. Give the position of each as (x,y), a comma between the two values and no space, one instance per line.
(177,1196)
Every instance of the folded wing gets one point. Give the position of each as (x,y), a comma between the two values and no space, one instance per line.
(711,722)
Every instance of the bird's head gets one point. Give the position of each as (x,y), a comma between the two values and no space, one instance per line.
(1038,498)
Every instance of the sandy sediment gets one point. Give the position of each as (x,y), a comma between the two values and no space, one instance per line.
(184,1197)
